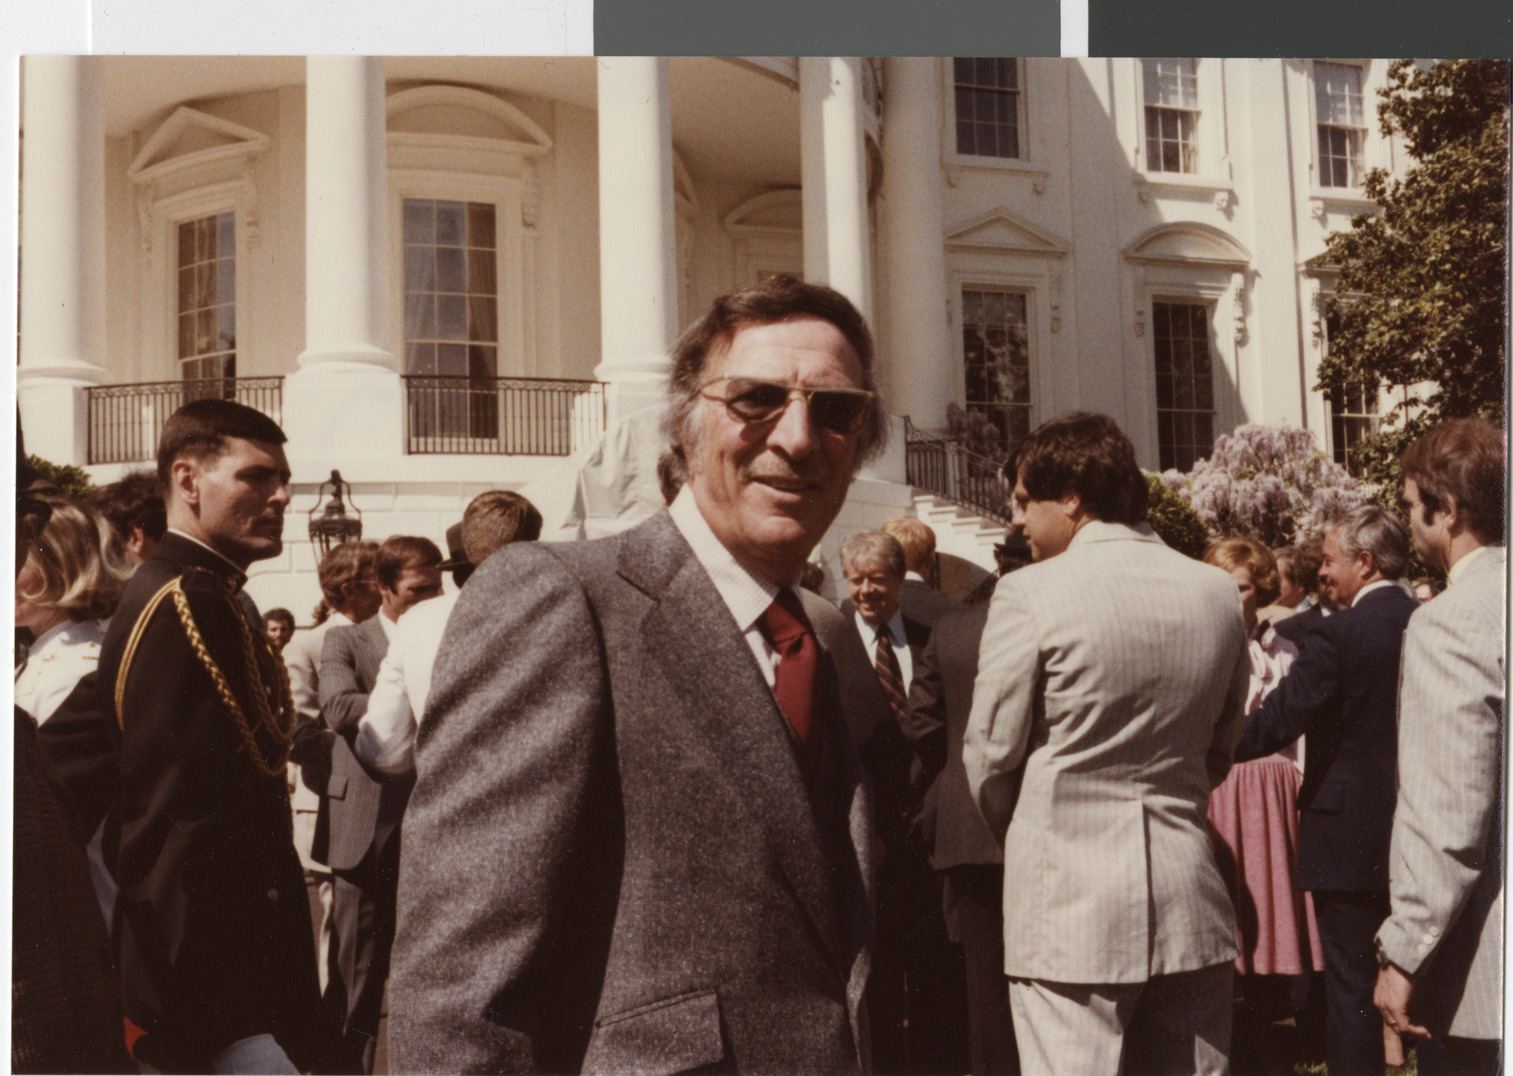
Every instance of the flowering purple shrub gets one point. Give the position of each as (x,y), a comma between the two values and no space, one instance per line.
(1269,483)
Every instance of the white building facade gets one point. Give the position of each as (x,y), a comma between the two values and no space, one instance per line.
(448,274)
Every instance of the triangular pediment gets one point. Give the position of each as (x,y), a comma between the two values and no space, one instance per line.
(767,213)
(1188,243)
(1003,229)
(190,136)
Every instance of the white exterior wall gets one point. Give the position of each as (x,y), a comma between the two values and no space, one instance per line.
(1062,224)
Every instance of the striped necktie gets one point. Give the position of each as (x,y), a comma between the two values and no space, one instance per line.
(891,676)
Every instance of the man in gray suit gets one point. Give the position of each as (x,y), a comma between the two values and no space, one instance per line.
(365,811)
(1115,670)
(1441,950)
(639,840)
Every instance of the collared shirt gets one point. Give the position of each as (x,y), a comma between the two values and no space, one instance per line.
(746,593)
(895,629)
(1369,587)
(1458,569)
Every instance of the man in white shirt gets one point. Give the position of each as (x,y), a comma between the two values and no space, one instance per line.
(386,733)
(639,839)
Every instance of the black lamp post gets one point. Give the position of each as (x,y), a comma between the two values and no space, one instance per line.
(333,526)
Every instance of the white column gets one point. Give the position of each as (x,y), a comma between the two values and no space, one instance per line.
(914,336)
(638,263)
(837,246)
(62,254)
(346,401)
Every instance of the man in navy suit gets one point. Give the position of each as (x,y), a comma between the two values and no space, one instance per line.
(917,598)
(1342,693)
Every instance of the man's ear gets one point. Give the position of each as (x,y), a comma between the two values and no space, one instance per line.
(1454,522)
(1071,504)
(184,481)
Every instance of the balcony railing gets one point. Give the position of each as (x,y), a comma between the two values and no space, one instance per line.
(947,469)
(506,416)
(125,421)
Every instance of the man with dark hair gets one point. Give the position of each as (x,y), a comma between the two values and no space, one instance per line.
(279,624)
(134,507)
(216,955)
(386,734)
(640,839)
(1342,693)
(1441,950)
(1114,671)
(363,851)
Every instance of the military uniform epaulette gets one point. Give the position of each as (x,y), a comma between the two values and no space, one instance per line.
(266,736)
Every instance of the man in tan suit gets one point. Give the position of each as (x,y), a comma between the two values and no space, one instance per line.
(1441,951)
(1114,670)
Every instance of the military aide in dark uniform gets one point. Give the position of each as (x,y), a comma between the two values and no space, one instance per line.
(216,954)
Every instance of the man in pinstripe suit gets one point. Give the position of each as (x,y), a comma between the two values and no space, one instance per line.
(1441,950)
(1115,670)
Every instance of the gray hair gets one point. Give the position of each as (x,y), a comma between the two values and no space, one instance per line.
(873,547)
(1376,531)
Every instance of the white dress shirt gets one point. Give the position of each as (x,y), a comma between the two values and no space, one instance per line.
(895,629)
(746,593)
(386,732)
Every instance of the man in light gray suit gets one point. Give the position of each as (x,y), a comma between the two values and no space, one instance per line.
(639,840)
(1441,950)
(1114,669)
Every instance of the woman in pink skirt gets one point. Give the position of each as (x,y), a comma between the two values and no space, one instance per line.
(1254,814)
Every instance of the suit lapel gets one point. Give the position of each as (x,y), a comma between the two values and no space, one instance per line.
(729,702)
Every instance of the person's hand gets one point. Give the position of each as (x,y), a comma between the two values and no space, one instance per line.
(1393,995)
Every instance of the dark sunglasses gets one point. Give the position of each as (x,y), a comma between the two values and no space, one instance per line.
(759,402)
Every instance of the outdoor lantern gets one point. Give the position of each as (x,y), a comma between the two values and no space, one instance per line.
(333,526)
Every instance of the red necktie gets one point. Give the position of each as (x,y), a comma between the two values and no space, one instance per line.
(891,676)
(793,639)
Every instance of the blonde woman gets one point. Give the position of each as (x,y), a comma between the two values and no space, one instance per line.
(1255,813)
(70,583)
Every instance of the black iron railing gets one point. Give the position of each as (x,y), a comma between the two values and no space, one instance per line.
(125,420)
(946,468)
(506,416)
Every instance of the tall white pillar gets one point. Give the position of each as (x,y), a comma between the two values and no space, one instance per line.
(346,401)
(638,265)
(62,254)
(837,244)
(914,337)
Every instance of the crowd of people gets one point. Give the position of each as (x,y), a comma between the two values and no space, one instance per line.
(651,803)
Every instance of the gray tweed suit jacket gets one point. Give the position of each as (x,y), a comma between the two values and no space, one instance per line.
(613,861)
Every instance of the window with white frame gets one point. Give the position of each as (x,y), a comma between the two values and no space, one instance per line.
(989,106)
(1340,112)
(996,347)
(1353,416)
(451,322)
(1184,383)
(207,304)
(1170,93)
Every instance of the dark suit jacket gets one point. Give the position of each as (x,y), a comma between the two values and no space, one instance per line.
(213,930)
(940,701)
(612,861)
(1293,628)
(363,809)
(1341,692)
(923,603)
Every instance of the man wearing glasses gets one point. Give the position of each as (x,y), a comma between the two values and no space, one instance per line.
(639,838)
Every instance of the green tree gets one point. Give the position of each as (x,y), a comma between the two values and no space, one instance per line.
(73,482)
(1420,301)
